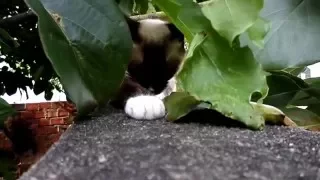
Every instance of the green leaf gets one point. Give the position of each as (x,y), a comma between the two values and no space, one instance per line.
(273,115)
(213,71)
(179,12)
(151,8)
(258,31)
(303,118)
(179,104)
(224,77)
(315,108)
(286,89)
(88,44)
(311,94)
(141,6)
(126,6)
(315,82)
(282,88)
(294,38)
(6,110)
(295,71)
(233,17)
(302,98)
(309,97)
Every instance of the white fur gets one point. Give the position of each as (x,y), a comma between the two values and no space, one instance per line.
(148,106)
(153,30)
(171,87)
(145,107)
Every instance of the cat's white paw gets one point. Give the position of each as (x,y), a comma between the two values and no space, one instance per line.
(171,87)
(145,107)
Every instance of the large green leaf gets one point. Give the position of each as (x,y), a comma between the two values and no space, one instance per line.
(231,18)
(302,98)
(315,82)
(234,22)
(179,12)
(286,90)
(315,108)
(179,104)
(213,71)
(283,87)
(310,95)
(258,31)
(88,44)
(6,110)
(294,38)
(224,77)
(303,118)
(295,71)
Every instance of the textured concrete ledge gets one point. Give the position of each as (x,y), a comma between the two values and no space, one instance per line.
(111,146)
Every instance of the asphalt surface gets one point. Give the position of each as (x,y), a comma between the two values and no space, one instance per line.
(111,146)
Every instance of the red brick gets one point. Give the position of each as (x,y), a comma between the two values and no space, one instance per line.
(23,167)
(63,113)
(70,107)
(44,122)
(32,106)
(44,142)
(63,128)
(41,143)
(39,114)
(56,105)
(69,120)
(40,138)
(57,121)
(45,105)
(54,137)
(26,115)
(32,121)
(19,107)
(45,130)
(51,113)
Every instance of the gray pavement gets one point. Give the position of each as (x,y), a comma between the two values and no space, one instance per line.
(111,146)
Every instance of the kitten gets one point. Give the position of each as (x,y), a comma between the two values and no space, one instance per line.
(158,50)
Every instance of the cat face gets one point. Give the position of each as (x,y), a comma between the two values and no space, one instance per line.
(158,50)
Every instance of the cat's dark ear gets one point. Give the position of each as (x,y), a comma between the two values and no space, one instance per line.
(133,27)
(175,32)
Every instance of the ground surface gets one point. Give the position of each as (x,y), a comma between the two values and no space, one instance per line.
(117,148)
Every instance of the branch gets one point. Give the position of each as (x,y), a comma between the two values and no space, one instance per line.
(162,15)
(157,15)
(16,19)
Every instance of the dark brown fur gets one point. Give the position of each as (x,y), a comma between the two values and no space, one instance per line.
(150,67)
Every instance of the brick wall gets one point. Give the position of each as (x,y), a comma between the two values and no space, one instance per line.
(42,125)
